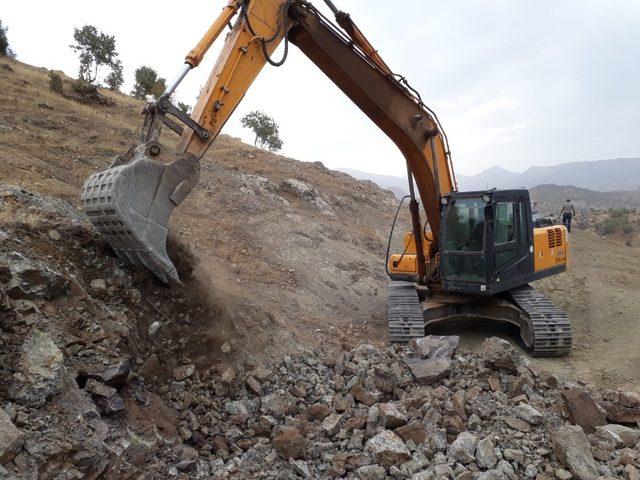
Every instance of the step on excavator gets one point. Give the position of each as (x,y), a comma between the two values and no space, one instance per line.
(474,254)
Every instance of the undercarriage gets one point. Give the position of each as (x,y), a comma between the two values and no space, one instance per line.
(545,330)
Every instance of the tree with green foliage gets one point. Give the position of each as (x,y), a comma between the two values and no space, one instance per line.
(5,51)
(55,81)
(115,79)
(95,49)
(148,83)
(265,130)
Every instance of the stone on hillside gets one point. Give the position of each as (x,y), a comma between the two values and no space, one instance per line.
(573,450)
(622,407)
(183,372)
(115,375)
(463,448)
(392,415)
(98,285)
(429,371)
(517,424)
(318,411)
(582,409)
(289,443)
(363,396)
(388,449)
(371,472)
(529,414)
(501,354)
(486,457)
(330,424)
(307,193)
(11,438)
(628,437)
(631,473)
(414,431)
(39,369)
(33,280)
(436,346)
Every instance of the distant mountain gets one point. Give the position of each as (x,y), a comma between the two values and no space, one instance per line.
(600,175)
(621,174)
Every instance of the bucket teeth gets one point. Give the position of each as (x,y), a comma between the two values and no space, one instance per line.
(130,204)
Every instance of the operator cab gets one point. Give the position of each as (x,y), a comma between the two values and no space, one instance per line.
(486,241)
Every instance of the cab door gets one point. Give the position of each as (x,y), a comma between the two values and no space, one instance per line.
(512,257)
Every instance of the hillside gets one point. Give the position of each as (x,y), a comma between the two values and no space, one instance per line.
(271,359)
(271,255)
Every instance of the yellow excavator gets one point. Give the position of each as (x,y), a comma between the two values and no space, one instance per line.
(473,257)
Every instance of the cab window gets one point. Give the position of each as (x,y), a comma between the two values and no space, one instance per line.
(505,225)
(465,225)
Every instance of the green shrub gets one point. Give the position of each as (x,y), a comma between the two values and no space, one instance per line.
(609,226)
(55,82)
(627,229)
(83,87)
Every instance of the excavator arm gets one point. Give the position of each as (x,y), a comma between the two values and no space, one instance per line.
(131,202)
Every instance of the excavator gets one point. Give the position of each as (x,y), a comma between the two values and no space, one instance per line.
(471,257)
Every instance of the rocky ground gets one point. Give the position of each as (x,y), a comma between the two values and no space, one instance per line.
(103,374)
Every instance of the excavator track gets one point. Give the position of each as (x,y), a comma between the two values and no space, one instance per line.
(404,312)
(549,325)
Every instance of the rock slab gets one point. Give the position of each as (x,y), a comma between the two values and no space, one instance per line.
(572,448)
(38,372)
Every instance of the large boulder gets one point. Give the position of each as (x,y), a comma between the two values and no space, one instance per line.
(572,449)
(388,449)
(582,409)
(622,406)
(430,370)
(619,435)
(11,438)
(436,346)
(38,371)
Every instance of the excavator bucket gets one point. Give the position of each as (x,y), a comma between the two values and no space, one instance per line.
(130,203)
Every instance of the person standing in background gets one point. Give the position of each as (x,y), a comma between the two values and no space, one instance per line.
(567,213)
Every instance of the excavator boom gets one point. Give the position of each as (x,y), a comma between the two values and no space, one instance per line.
(132,209)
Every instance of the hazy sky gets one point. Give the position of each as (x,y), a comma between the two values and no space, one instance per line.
(515,83)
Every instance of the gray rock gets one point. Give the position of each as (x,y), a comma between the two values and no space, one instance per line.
(330,424)
(39,369)
(562,474)
(573,450)
(436,346)
(307,193)
(11,439)
(33,280)
(463,449)
(624,436)
(429,371)
(392,415)
(98,285)
(530,414)
(500,354)
(486,457)
(371,472)
(301,468)
(388,449)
